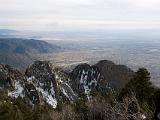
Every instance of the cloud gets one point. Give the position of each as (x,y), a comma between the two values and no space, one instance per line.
(78,14)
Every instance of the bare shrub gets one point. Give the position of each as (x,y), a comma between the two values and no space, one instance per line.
(100,109)
(67,113)
(128,109)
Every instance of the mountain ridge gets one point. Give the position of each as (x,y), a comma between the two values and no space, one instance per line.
(45,84)
(21,52)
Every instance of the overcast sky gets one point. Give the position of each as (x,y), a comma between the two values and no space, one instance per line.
(79,14)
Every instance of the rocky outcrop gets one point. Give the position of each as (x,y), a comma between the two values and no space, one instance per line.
(9,77)
(43,83)
(104,76)
(116,75)
(84,78)
(41,77)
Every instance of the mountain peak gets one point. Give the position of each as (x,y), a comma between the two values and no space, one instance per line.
(45,84)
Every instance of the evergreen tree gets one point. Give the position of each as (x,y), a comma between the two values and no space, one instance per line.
(140,85)
(59,106)
(10,111)
(94,92)
(25,108)
(156,100)
(81,107)
(42,112)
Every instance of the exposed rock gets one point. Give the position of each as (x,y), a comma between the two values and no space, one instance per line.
(43,80)
(85,78)
(43,83)
(50,82)
(104,76)
(9,77)
(116,75)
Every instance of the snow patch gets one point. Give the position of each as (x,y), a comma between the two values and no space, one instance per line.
(87,79)
(70,88)
(143,116)
(30,79)
(65,93)
(68,91)
(48,97)
(18,91)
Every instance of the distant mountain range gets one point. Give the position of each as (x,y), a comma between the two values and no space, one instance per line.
(20,52)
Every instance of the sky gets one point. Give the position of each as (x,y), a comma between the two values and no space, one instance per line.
(56,15)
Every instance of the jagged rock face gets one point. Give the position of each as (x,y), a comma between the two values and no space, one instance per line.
(9,77)
(103,76)
(32,93)
(40,75)
(116,75)
(38,85)
(85,77)
(65,89)
(43,83)
(51,84)
(12,81)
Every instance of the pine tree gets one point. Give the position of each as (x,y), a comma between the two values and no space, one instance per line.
(140,85)
(80,104)
(156,100)
(59,106)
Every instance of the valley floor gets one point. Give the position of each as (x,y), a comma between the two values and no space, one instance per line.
(133,59)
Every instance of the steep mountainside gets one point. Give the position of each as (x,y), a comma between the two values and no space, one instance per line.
(45,84)
(42,83)
(103,76)
(19,52)
(116,75)
(9,77)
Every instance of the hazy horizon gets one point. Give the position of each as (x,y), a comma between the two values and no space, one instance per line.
(68,15)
